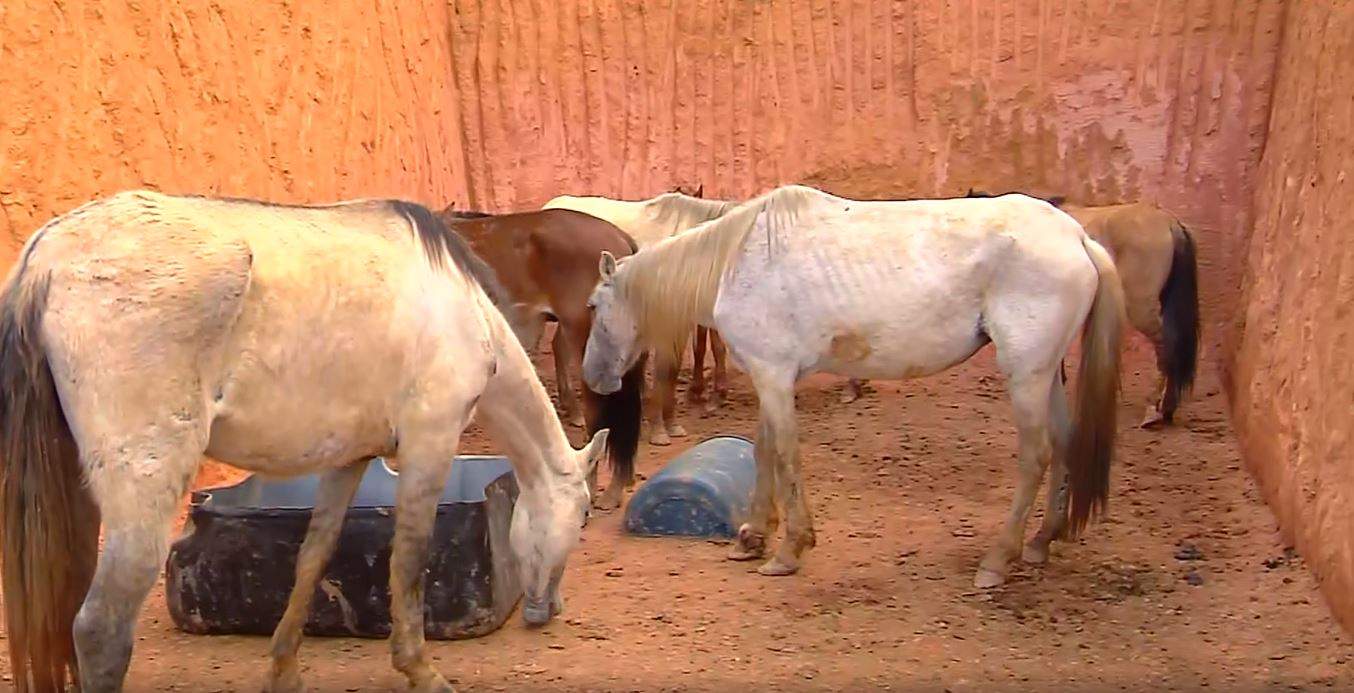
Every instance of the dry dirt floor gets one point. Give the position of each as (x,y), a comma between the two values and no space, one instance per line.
(1186,586)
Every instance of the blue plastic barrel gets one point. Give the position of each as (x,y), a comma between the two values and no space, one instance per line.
(703,492)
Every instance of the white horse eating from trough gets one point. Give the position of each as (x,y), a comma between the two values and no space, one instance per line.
(648,222)
(141,331)
(799,281)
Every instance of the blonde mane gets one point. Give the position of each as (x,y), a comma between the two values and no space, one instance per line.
(671,286)
(676,212)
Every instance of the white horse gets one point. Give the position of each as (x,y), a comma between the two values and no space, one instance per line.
(799,281)
(648,222)
(141,331)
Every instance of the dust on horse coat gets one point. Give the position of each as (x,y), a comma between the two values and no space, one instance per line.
(799,281)
(649,221)
(1155,255)
(143,330)
(547,263)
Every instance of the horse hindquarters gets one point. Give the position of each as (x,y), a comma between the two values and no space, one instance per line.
(49,523)
(136,392)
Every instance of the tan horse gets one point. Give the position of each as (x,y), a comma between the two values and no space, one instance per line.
(649,221)
(547,262)
(142,331)
(1155,255)
(799,281)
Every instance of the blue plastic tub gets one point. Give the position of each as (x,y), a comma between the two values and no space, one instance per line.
(703,492)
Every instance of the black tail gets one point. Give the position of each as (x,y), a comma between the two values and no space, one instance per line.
(619,411)
(1180,317)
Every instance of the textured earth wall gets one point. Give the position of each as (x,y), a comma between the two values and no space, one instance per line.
(284,100)
(1100,100)
(1292,373)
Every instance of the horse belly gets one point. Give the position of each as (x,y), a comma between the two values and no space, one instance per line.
(899,350)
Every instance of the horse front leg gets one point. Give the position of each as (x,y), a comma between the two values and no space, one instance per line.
(777,448)
(332,498)
(762,517)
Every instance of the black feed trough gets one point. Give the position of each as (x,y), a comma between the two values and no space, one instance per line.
(232,570)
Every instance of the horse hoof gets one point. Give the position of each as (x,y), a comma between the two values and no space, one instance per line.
(987,579)
(1153,419)
(676,431)
(777,568)
(286,683)
(748,545)
(1035,553)
(848,396)
(609,500)
(659,437)
(436,684)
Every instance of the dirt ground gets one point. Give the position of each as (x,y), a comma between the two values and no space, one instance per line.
(1185,587)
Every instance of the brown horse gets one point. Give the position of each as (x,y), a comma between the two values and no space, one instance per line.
(547,263)
(1156,259)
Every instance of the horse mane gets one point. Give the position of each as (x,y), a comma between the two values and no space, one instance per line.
(1056,200)
(440,242)
(672,284)
(679,211)
(450,215)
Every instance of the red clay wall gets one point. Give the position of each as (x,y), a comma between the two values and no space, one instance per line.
(1103,100)
(1292,370)
(286,100)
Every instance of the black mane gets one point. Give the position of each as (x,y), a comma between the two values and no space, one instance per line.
(1056,200)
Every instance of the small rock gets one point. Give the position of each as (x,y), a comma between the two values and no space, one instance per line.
(1189,552)
(1194,578)
(964,532)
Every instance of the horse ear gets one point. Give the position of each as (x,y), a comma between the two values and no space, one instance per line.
(595,451)
(700,191)
(607,266)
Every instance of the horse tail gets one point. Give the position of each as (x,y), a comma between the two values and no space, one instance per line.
(1091,446)
(1180,315)
(621,412)
(49,525)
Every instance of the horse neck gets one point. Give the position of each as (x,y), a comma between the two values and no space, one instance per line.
(517,412)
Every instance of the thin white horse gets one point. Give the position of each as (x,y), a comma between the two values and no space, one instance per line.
(648,222)
(141,331)
(799,281)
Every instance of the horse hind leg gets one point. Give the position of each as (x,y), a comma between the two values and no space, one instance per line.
(696,392)
(568,399)
(663,407)
(335,493)
(1030,397)
(719,351)
(1055,511)
(423,474)
(854,390)
(138,482)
